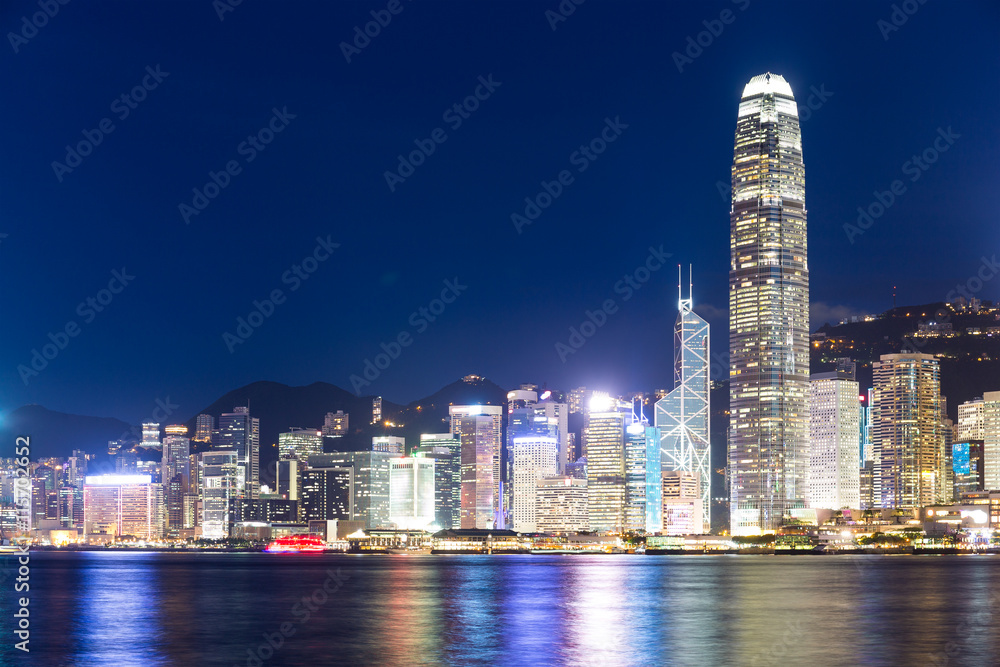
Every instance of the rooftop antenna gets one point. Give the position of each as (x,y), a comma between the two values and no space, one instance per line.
(680,297)
(690,282)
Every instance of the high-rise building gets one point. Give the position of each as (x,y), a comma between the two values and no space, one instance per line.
(328,492)
(300,443)
(389,443)
(605,445)
(176,453)
(446,450)
(288,478)
(335,424)
(376,410)
(219,473)
(456,414)
(118,505)
(768,311)
(577,400)
(535,458)
(480,444)
(681,503)
(371,482)
(907,431)
(643,478)
(531,415)
(150,435)
(239,432)
(561,505)
(682,415)
(971,420)
(204,425)
(411,492)
(967,466)
(991,439)
(176,475)
(834,450)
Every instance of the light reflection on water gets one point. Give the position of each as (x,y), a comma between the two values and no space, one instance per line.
(123,609)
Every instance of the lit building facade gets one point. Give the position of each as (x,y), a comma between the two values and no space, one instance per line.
(561,505)
(968,472)
(991,439)
(116,505)
(371,482)
(908,432)
(203,427)
(834,441)
(336,424)
(219,489)
(535,458)
(643,478)
(390,444)
(150,435)
(300,443)
(446,450)
(240,433)
(480,467)
(768,311)
(328,493)
(457,415)
(411,493)
(682,415)
(682,503)
(605,446)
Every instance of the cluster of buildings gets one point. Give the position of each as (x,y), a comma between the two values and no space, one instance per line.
(796,441)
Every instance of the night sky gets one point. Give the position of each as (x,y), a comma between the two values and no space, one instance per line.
(879,97)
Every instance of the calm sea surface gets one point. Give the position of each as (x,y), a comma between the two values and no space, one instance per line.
(107,608)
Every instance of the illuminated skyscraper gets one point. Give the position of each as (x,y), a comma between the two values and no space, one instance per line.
(768,311)
(480,467)
(411,492)
(907,431)
(446,450)
(219,473)
(683,414)
(457,414)
(150,435)
(834,434)
(535,458)
(300,443)
(605,444)
(335,424)
(991,439)
(203,427)
(240,432)
(643,477)
(176,474)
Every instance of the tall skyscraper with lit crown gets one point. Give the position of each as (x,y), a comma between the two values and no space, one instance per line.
(768,311)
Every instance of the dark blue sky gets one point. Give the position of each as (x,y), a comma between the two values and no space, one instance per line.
(323,176)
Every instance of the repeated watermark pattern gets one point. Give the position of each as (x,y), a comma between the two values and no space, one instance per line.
(362,37)
(900,14)
(122,107)
(248,149)
(294,276)
(454,116)
(581,158)
(914,168)
(87,310)
(420,320)
(626,286)
(300,614)
(37,21)
(695,46)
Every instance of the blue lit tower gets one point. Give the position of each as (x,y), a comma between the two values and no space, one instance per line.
(683,415)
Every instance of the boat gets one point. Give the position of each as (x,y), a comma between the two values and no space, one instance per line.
(298,544)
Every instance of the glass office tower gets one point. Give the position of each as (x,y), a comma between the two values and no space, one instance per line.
(768,311)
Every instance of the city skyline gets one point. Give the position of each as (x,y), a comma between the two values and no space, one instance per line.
(326,233)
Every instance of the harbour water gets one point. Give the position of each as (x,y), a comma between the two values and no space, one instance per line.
(203,608)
